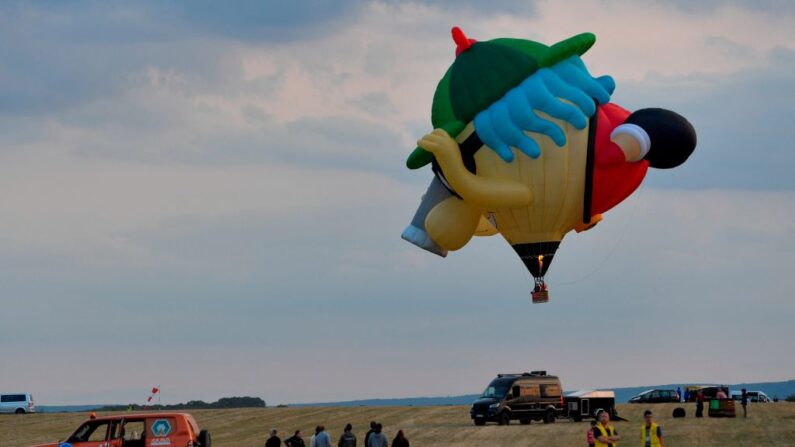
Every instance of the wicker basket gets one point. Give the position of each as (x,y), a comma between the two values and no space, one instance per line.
(540,297)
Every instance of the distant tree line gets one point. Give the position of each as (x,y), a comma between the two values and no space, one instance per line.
(790,398)
(224,402)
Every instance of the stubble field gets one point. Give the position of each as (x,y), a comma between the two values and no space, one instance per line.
(767,425)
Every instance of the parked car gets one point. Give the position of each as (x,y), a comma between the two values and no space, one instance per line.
(655,397)
(753,396)
(525,397)
(138,430)
(19,403)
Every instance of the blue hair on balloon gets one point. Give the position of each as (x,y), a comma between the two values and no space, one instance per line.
(503,124)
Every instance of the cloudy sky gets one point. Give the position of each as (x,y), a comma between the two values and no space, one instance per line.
(209,196)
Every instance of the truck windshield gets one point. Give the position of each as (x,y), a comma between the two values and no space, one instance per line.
(496,390)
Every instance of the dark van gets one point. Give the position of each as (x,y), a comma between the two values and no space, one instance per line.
(524,397)
(655,397)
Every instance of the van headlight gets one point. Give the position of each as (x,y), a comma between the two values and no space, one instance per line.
(494,405)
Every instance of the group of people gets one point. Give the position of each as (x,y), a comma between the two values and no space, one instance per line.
(721,395)
(375,437)
(603,434)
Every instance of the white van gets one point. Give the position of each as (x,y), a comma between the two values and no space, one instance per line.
(753,396)
(19,403)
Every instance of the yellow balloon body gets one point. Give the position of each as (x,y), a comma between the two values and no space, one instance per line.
(548,205)
(556,181)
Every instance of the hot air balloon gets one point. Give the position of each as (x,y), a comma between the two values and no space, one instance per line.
(527,144)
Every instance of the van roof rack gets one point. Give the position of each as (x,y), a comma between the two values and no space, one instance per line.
(524,374)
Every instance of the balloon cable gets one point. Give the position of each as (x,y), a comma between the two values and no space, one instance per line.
(613,250)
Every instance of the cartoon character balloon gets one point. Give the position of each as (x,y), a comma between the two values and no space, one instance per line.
(527,144)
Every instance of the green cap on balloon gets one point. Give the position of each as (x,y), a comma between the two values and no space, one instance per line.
(484,72)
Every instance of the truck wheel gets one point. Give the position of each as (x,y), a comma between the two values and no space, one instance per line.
(480,422)
(20,411)
(549,417)
(505,418)
(205,440)
(525,421)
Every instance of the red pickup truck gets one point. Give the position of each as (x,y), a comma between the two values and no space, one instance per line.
(138,430)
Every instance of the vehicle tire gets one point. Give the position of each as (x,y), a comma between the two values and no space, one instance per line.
(505,418)
(19,411)
(525,421)
(205,440)
(480,422)
(549,417)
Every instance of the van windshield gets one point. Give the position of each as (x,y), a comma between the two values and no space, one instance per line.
(496,390)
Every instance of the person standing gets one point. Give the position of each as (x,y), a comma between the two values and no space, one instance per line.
(650,432)
(295,440)
(605,435)
(699,404)
(678,394)
(347,438)
(721,395)
(369,433)
(378,438)
(322,439)
(313,439)
(744,402)
(274,440)
(400,440)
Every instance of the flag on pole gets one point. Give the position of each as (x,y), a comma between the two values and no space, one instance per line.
(155,390)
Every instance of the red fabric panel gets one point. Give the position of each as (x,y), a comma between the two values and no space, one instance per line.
(612,183)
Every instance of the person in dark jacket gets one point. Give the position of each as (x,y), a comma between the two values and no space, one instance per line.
(699,404)
(295,440)
(274,440)
(347,438)
(369,433)
(400,440)
(744,402)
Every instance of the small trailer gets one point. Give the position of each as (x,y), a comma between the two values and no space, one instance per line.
(580,405)
(721,408)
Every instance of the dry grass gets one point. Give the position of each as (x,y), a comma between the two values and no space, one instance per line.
(767,425)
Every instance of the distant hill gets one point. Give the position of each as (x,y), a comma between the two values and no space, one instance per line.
(780,389)
(397,402)
(224,402)
(772,389)
(67,408)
